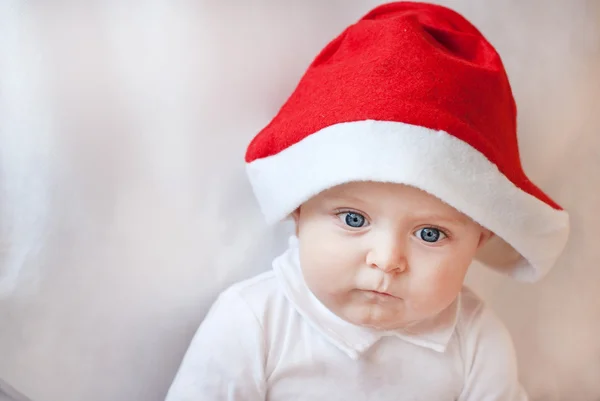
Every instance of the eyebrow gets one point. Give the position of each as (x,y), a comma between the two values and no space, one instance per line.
(349,198)
(439,217)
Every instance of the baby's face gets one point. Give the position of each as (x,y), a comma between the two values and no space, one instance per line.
(384,255)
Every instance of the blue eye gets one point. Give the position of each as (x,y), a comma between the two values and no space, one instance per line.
(354,220)
(430,234)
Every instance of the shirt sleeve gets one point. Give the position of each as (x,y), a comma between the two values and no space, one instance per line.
(225,360)
(490,359)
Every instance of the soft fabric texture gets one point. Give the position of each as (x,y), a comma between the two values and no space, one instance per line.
(412,79)
(269,338)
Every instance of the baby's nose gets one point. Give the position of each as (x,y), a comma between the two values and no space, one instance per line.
(390,258)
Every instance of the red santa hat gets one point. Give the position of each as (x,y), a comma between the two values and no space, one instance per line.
(413,94)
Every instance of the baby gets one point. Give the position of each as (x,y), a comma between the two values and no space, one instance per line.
(396,156)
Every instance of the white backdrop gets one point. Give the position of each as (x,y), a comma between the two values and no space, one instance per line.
(124,207)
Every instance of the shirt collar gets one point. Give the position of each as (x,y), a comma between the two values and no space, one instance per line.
(433,333)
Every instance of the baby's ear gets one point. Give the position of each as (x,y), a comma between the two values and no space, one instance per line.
(296,216)
(484,237)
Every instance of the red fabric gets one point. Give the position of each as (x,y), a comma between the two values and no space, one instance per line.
(410,62)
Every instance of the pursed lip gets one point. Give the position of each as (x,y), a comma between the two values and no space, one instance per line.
(381,293)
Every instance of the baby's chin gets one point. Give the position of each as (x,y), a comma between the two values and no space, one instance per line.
(376,317)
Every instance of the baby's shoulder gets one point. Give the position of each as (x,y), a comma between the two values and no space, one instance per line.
(260,294)
(475,317)
(254,289)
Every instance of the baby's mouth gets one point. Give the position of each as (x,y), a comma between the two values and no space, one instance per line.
(381,294)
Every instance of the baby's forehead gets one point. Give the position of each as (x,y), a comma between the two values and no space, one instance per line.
(389,194)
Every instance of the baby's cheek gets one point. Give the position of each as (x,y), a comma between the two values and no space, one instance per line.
(323,279)
(448,283)
(438,290)
(330,269)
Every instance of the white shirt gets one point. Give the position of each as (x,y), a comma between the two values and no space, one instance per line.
(269,338)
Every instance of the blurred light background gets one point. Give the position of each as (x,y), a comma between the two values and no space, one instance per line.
(124,206)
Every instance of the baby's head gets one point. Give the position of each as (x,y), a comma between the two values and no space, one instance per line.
(405,126)
(382,254)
